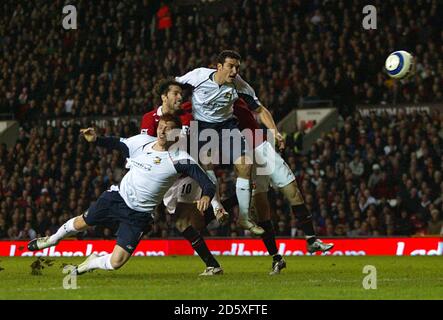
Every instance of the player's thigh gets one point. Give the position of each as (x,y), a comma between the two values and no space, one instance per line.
(130,233)
(99,211)
(272,164)
(188,215)
(233,146)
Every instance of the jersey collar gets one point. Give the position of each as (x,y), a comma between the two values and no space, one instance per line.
(160,111)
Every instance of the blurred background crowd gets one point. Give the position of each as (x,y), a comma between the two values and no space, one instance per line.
(370,176)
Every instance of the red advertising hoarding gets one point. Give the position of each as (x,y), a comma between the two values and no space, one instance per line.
(236,247)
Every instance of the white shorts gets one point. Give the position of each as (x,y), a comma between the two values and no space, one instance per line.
(185,190)
(271,168)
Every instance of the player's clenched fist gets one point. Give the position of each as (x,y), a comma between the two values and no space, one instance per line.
(203,203)
(89,134)
(280,142)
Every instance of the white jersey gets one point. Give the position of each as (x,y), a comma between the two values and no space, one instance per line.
(184,190)
(211,102)
(135,143)
(151,173)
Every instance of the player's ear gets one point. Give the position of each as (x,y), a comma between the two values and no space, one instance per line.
(219,66)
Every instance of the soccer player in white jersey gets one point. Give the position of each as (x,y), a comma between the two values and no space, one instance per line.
(214,93)
(153,168)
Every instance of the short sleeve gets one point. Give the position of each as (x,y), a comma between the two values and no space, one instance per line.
(246,92)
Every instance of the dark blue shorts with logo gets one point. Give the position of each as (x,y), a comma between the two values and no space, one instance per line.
(110,208)
(230,146)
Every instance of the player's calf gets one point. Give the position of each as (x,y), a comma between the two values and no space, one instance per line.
(69,228)
(243,192)
(199,245)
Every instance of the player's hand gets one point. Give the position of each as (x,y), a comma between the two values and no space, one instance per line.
(203,204)
(221,215)
(89,134)
(281,144)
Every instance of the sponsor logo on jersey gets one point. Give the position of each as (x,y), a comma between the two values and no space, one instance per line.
(139,164)
(228,95)
(157,160)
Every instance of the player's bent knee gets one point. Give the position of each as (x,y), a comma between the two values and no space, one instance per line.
(118,262)
(119,257)
(80,223)
(293,194)
(182,224)
(116,265)
(184,213)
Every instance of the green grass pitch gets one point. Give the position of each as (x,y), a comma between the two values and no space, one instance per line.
(245,278)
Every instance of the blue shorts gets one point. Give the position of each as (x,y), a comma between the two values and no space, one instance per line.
(111,208)
(230,142)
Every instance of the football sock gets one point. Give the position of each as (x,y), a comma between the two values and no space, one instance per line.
(199,245)
(305,222)
(269,237)
(65,230)
(243,191)
(103,262)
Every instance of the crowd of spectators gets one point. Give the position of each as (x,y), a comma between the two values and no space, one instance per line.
(292,50)
(376,175)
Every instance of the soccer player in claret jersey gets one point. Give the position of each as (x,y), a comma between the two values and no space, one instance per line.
(170,92)
(213,95)
(153,168)
(181,197)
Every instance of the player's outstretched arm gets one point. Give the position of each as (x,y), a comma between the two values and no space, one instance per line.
(111,143)
(268,120)
(247,93)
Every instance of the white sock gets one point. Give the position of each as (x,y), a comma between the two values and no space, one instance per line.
(65,230)
(103,262)
(243,192)
(215,202)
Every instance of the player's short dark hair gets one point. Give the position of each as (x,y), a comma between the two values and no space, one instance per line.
(228,54)
(167,117)
(162,87)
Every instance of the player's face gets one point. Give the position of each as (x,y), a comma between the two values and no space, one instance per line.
(229,70)
(173,98)
(164,131)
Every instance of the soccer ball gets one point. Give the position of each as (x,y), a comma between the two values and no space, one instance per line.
(400,64)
